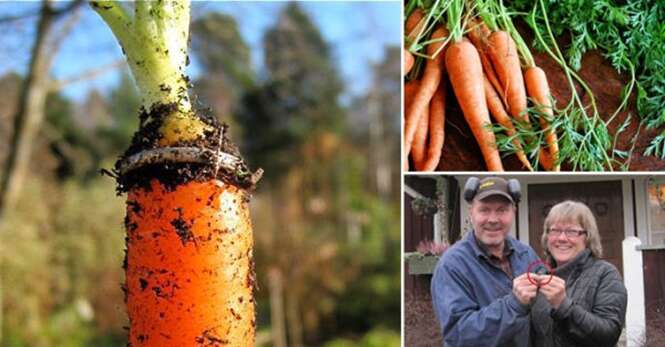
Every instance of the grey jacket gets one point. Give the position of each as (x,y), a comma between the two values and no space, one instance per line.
(593,312)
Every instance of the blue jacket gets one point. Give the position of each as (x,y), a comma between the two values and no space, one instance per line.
(473,298)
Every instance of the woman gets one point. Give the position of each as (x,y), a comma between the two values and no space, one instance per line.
(584,303)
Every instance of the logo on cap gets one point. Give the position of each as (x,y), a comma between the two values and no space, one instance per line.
(486,184)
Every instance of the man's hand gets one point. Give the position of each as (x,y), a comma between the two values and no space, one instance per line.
(555,291)
(523,289)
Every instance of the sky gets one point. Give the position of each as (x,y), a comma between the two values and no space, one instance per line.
(357,31)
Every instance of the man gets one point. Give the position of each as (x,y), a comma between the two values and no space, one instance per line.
(480,291)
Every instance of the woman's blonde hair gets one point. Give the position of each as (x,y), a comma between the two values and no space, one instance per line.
(574,212)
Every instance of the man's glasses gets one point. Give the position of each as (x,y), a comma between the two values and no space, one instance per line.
(571,233)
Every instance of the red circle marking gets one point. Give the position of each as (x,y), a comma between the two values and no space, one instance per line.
(536,263)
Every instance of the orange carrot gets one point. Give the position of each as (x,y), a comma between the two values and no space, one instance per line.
(437,118)
(189,261)
(539,91)
(408,61)
(419,146)
(479,36)
(497,111)
(414,24)
(428,84)
(466,76)
(410,90)
(506,63)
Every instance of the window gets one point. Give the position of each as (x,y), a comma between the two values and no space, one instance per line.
(656,210)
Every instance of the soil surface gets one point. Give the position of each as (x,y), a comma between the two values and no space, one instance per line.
(175,174)
(461,152)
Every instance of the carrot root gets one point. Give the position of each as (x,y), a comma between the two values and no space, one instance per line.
(189,276)
(466,76)
(428,85)
(437,118)
(497,110)
(419,146)
(539,91)
(506,62)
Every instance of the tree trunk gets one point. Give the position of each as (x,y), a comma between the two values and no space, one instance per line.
(29,115)
(379,147)
(294,320)
(276,286)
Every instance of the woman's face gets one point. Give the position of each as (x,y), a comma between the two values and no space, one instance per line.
(565,240)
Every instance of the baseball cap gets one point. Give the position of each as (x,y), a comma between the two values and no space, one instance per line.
(493,186)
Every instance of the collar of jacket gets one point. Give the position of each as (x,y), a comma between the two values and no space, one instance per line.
(574,266)
(510,244)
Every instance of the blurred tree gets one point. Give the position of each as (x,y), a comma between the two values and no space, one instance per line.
(300,97)
(293,125)
(30,110)
(383,104)
(93,113)
(225,58)
(124,103)
(10,85)
(217,44)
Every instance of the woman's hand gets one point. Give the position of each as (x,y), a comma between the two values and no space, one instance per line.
(555,291)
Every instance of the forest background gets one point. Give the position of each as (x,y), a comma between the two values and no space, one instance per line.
(312,94)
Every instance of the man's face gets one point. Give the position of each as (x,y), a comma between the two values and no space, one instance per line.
(492,219)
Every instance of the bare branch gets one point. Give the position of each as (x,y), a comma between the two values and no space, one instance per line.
(36,12)
(57,85)
(54,44)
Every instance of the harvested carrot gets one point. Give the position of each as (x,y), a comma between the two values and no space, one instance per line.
(414,24)
(428,85)
(506,63)
(466,76)
(408,61)
(539,91)
(410,90)
(189,269)
(437,118)
(479,36)
(498,111)
(189,261)
(419,146)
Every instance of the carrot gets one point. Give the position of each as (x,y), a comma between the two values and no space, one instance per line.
(539,91)
(506,63)
(419,146)
(479,36)
(437,118)
(466,76)
(498,111)
(410,90)
(428,84)
(188,268)
(408,61)
(414,24)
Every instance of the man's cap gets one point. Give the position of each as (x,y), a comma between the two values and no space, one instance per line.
(493,186)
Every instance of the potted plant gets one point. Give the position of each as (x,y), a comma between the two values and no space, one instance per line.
(423,261)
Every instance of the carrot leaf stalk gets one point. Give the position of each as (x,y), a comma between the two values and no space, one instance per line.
(154,40)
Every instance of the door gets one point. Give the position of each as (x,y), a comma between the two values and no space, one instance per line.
(605,200)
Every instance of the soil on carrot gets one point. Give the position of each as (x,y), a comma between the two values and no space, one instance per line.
(171,175)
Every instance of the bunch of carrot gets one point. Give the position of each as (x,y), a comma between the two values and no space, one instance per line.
(491,72)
